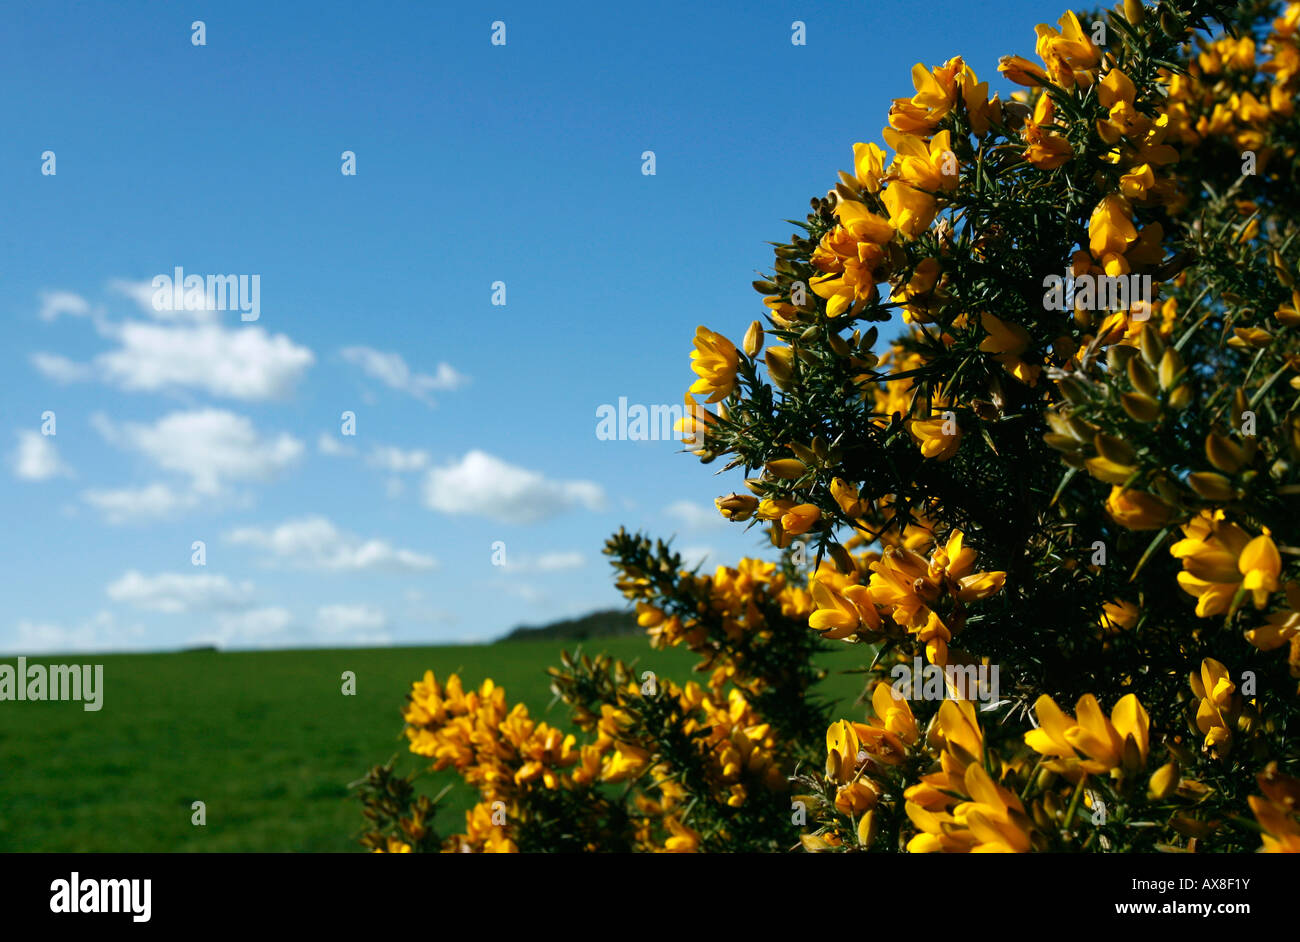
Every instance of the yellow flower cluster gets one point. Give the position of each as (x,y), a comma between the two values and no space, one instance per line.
(504,753)
(1110,150)
(960,808)
(907,591)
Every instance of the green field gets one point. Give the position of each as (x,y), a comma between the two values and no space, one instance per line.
(266,739)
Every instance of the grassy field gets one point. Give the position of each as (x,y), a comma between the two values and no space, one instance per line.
(266,739)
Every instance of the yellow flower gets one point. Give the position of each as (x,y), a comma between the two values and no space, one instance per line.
(1115,87)
(910,210)
(938,437)
(1091,744)
(850,286)
(868,166)
(625,762)
(892,729)
(840,611)
(694,425)
(862,223)
(1281,628)
(1068,52)
(931,167)
(683,839)
(1219,559)
(1118,614)
(715,361)
(800,519)
(960,809)
(1276,810)
(846,496)
(1218,707)
(1047,150)
(917,294)
(936,93)
(1006,341)
(738,507)
(1022,71)
(1111,229)
(1137,510)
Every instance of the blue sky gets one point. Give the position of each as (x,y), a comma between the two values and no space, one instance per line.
(475,423)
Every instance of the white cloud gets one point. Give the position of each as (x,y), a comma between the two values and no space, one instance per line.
(56,303)
(693,556)
(244,363)
(695,516)
(546,562)
(257,627)
(316,543)
(142,293)
(136,504)
(102,632)
(37,458)
(61,369)
(354,624)
(392,370)
(398,460)
(191,351)
(553,562)
(178,593)
(327,444)
(212,446)
(487,486)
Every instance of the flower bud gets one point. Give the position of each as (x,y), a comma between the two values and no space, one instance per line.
(1211,486)
(1143,380)
(785,468)
(1171,369)
(1139,407)
(738,507)
(1223,453)
(1163,781)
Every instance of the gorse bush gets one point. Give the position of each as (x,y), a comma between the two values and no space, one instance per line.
(1056,506)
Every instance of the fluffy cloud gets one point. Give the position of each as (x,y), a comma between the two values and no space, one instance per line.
(61,369)
(257,627)
(352,624)
(316,543)
(37,458)
(398,460)
(102,632)
(327,444)
(212,446)
(179,593)
(57,303)
(137,504)
(486,486)
(244,363)
(392,370)
(192,350)
(553,562)
(142,293)
(546,562)
(695,516)
(693,556)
